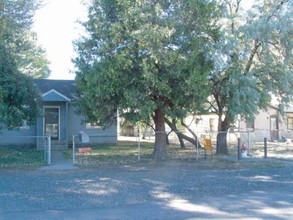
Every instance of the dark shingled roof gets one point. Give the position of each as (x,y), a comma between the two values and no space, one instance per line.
(65,87)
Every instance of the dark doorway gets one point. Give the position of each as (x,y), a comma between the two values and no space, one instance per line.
(52,122)
(274,128)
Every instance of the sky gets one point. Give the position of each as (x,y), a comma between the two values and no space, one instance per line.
(56,26)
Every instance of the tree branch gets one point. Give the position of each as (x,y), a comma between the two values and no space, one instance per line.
(257,44)
(181,136)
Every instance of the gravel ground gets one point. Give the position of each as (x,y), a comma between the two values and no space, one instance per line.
(191,189)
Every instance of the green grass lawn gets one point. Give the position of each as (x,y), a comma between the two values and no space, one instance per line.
(127,152)
(123,152)
(10,156)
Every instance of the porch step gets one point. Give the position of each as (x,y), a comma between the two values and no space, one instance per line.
(58,144)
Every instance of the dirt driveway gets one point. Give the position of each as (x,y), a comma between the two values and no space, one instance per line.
(205,189)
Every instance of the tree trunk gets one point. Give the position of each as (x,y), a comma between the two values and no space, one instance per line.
(222,147)
(172,125)
(181,136)
(188,128)
(160,135)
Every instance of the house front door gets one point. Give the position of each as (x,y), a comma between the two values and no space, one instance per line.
(274,127)
(52,122)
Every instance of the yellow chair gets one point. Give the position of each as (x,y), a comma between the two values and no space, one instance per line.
(207,144)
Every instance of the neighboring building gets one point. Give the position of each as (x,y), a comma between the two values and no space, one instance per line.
(265,124)
(59,119)
(203,124)
(271,124)
(289,118)
(268,124)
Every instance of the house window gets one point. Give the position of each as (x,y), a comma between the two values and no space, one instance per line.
(290,123)
(250,124)
(212,124)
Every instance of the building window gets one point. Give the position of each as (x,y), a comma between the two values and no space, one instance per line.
(250,124)
(290,123)
(212,124)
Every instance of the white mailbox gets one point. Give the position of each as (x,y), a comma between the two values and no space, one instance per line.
(83,137)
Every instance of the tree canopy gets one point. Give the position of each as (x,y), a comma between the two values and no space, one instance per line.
(16,20)
(159,60)
(145,59)
(20,59)
(18,97)
(252,61)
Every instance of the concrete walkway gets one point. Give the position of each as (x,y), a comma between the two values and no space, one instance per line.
(59,162)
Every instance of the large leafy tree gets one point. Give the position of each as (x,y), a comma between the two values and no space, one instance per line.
(253,61)
(31,58)
(18,96)
(16,19)
(145,59)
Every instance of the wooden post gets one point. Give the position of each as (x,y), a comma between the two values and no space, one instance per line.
(238,148)
(139,150)
(265,148)
(196,145)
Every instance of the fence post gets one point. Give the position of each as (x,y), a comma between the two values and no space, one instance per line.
(45,141)
(248,142)
(73,149)
(138,136)
(197,140)
(49,150)
(238,148)
(265,147)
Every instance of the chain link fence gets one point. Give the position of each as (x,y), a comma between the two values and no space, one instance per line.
(258,143)
(82,144)
(37,149)
(25,150)
(268,143)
